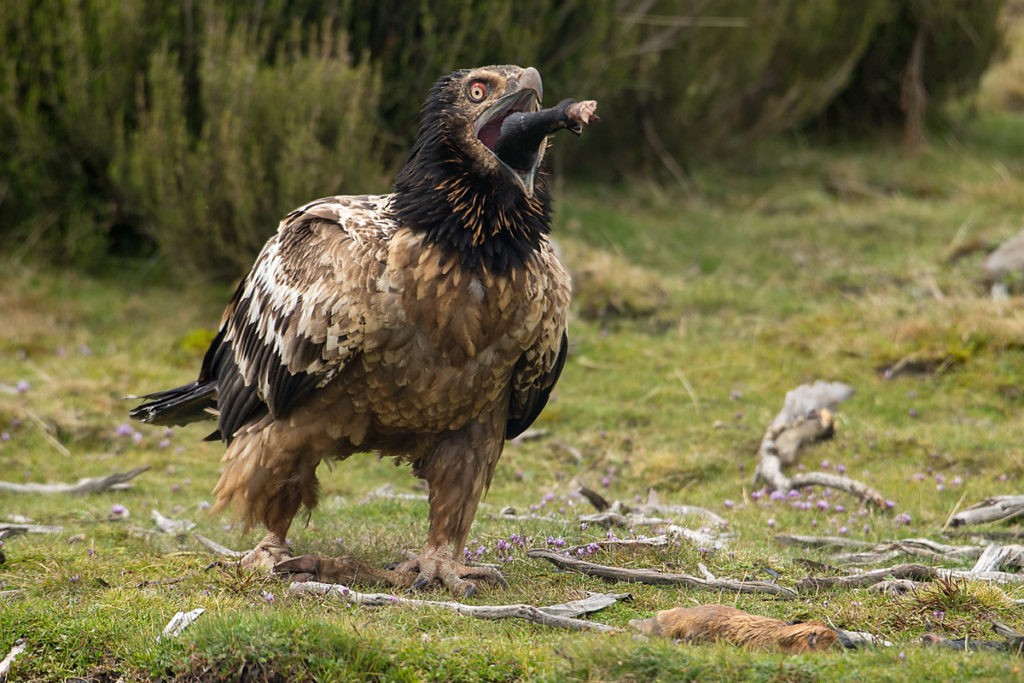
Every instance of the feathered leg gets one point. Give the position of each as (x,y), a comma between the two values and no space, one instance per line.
(266,482)
(458,471)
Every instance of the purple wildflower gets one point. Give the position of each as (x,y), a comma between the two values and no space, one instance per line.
(124,429)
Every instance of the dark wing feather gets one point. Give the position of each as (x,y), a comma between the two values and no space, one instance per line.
(535,377)
(300,314)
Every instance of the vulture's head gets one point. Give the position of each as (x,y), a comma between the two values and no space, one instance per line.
(462,124)
(472,175)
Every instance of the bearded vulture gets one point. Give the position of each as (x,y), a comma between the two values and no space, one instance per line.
(428,324)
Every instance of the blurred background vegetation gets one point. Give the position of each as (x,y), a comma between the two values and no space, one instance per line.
(181,130)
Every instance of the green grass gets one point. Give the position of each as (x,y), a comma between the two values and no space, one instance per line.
(695,314)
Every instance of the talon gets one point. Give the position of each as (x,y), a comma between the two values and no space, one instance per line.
(470,589)
(420,583)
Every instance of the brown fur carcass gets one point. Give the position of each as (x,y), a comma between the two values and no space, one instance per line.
(714,623)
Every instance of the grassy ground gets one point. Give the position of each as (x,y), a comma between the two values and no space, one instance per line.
(694,315)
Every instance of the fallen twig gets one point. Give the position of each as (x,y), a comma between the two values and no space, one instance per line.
(172,527)
(806,416)
(217,548)
(821,541)
(529,613)
(610,518)
(5,664)
(653,506)
(652,542)
(917,547)
(654,577)
(15,529)
(118,480)
(915,572)
(179,622)
(995,509)
(995,557)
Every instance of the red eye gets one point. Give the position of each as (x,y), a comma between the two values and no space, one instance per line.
(477,91)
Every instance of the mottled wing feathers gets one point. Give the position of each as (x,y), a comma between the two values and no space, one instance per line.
(532,383)
(299,315)
(538,368)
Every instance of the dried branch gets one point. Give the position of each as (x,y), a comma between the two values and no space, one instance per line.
(118,480)
(630,520)
(12,529)
(821,541)
(536,615)
(651,542)
(172,527)
(217,548)
(916,547)
(915,572)
(996,509)
(179,622)
(995,557)
(806,416)
(5,664)
(653,507)
(657,578)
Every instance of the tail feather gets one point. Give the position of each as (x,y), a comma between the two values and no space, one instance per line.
(179,406)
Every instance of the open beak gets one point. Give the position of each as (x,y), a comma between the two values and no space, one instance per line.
(488,127)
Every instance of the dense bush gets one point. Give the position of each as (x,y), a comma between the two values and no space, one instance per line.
(272,136)
(960,36)
(193,126)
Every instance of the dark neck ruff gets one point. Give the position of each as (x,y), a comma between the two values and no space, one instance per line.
(484,222)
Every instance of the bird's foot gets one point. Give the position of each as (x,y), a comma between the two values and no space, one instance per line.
(267,553)
(434,565)
(261,559)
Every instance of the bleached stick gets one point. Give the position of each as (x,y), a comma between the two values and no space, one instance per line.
(118,480)
(530,613)
(654,577)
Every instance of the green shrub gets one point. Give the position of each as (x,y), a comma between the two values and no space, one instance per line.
(961,37)
(192,127)
(66,77)
(272,135)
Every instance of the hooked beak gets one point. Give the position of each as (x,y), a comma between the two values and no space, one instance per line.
(488,126)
